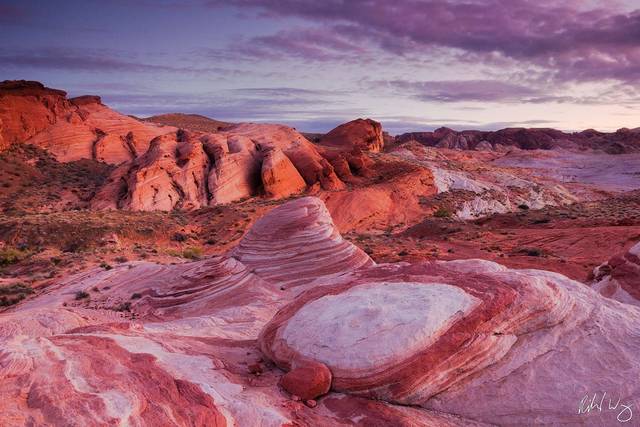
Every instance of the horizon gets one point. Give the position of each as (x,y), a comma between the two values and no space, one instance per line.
(564,65)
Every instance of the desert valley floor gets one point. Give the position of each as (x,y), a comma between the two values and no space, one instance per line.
(178,270)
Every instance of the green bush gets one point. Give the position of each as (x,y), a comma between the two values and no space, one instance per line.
(192,253)
(13,294)
(10,256)
(442,212)
(81,295)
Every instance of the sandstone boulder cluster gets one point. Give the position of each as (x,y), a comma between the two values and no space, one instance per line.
(297,326)
(162,167)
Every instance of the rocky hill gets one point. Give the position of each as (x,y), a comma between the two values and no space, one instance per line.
(621,141)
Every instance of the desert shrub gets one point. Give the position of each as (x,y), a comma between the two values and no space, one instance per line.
(125,306)
(13,294)
(192,253)
(403,253)
(179,237)
(73,246)
(105,265)
(10,256)
(523,207)
(81,295)
(121,259)
(136,295)
(531,251)
(542,221)
(442,212)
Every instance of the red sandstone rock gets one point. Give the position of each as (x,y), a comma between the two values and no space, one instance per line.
(619,278)
(70,129)
(307,380)
(365,134)
(279,177)
(469,337)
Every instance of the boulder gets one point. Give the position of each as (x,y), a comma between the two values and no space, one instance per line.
(619,278)
(279,177)
(365,134)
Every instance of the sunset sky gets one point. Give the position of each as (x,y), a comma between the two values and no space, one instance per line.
(413,65)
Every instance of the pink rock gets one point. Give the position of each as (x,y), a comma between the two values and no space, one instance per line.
(307,380)
(462,342)
(279,177)
(619,278)
(365,134)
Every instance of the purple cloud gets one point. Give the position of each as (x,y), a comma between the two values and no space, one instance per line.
(574,43)
(88,60)
(461,90)
(317,44)
(10,14)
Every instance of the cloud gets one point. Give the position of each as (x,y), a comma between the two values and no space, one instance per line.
(573,39)
(12,15)
(311,44)
(90,60)
(461,90)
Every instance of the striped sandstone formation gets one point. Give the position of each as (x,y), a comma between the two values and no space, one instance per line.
(464,343)
(619,278)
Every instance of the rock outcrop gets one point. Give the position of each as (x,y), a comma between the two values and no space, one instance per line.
(619,278)
(279,177)
(365,134)
(458,341)
(621,141)
(71,129)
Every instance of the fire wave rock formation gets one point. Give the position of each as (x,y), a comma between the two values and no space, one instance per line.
(464,342)
(619,278)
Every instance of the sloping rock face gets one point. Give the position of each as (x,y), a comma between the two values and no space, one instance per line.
(171,174)
(191,170)
(619,278)
(190,343)
(619,142)
(161,167)
(365,134)
(303,228)
(71,129)
(279,177)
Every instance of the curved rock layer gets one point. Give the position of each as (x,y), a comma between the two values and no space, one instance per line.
(192,344)
(181,340)
(471,338)
(297,243)
(619,278)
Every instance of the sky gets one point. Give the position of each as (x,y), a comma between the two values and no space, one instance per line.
(414,65)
